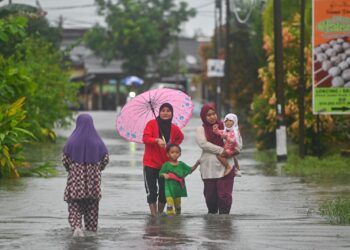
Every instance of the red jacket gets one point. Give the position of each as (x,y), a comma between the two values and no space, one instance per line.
(155,156)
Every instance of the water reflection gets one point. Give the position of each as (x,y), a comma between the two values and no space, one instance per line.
(12,185)
(90,243)
(218,232)
(165,231)
(191,231)
(44,152)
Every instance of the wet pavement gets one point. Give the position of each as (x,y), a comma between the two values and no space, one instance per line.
(270,211)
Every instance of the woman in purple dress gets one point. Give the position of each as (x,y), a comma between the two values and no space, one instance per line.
(84,157)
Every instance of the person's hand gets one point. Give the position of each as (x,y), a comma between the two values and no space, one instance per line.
(161,142)
(215,126)
(166,176)
(224,154)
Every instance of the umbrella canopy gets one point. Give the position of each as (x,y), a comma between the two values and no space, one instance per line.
(134,116)
(130,80)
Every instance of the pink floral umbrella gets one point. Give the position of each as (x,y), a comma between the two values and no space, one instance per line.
(134,116)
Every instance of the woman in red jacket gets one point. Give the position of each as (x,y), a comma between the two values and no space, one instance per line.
(157,134)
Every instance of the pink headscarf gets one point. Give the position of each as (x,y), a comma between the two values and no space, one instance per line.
(208,127)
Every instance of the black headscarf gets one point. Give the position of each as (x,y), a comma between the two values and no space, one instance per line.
(165,125)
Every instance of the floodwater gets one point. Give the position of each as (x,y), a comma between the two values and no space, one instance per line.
(270,211)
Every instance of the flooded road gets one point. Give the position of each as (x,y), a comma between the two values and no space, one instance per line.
(268,212)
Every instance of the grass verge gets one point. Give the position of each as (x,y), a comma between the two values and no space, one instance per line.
(336,211)
(329,167)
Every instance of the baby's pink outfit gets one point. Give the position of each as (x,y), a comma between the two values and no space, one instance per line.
(230,141)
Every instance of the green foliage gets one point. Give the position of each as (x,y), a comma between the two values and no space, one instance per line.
(136,30)
(36,24)
(333,167)
(337,211)
(12,31)
(330,167)
(35,71)
(266,156)
(51,90)
(19,9)
(289,8)
(40,28)
(13,132)
(31,69)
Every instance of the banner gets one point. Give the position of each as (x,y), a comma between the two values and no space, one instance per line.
(331,57)
(215,68)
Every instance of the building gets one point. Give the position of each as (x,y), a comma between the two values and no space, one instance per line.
(102,88)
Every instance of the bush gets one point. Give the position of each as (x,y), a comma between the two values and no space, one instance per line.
(34,92)
(12,134)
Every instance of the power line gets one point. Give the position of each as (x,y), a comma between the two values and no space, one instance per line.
(206,11)
(68,19)
(204,5)
(71,7)
(93,5)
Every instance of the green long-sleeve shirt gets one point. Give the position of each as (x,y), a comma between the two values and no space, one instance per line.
(172,187)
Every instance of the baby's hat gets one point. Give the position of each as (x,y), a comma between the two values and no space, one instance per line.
(231,117)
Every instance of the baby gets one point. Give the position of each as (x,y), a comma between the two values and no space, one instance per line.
(233,142)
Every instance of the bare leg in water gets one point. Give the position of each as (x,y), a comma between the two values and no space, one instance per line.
(224,162)
(153,208)
(160,207)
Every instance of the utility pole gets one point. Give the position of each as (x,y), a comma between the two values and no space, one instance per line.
(281,133)
(301,81)
(218,7)
(227,78)
(219,3)
(216,48)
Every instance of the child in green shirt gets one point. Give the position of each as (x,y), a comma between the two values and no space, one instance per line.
(174,172)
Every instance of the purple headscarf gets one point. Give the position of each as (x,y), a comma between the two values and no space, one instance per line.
(85,145)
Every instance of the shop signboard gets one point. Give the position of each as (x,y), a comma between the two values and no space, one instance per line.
(331,57)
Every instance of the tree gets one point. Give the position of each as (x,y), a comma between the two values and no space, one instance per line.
(34,70)
(34,92)
(136,31)
(36,25)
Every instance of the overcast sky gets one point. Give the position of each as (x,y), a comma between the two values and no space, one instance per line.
(82,13)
